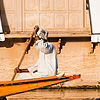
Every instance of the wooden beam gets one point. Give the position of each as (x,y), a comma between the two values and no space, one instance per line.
(51,34)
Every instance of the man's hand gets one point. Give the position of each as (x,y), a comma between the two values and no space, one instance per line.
(17,70)
(36,28)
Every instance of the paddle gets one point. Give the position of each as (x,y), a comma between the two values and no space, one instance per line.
(23,54)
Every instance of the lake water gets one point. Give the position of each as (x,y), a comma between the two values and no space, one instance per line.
(57,94)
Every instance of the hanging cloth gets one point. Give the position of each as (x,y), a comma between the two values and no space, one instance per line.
(94,9)
(2,38)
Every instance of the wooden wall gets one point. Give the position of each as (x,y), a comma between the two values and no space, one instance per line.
(52,15)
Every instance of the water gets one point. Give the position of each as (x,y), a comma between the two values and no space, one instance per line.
(57,94)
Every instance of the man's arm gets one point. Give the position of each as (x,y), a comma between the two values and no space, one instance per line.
(45,47)
(36,28)
(17,70)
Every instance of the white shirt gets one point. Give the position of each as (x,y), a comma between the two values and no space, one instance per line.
(47,62)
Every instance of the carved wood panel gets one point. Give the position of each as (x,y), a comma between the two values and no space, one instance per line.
(46,5)
(76,5)
(75,20)
(56,15)
(61,5)
(53,14)
(87,16)
(61,20)
(11,14)
(87,21)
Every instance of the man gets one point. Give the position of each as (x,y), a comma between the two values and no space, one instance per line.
(47,62)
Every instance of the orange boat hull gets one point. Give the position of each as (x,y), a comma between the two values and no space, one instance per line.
(14,87)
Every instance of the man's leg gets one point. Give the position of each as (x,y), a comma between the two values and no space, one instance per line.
(23,76)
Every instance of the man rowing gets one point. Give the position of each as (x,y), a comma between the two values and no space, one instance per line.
(47,62)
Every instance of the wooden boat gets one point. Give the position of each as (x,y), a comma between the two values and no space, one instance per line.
(14,87)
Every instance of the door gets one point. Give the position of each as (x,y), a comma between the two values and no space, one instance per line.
(52,15)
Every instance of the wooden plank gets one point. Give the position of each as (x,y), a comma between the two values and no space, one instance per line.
(15,87)
(51,34)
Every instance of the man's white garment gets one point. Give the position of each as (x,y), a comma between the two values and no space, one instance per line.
(46,64)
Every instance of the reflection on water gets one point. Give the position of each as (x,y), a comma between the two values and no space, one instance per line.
(58,94)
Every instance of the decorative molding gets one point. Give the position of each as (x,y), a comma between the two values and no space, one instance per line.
(60,20)
(31,5)
(46,20)
(30,20)
(8,4)
(87,20)
(75,20)
(76,5)
(61,5)
(46,5)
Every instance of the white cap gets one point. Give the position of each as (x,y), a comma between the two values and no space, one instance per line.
(42,34)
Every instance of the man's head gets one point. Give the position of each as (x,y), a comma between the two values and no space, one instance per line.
(42,34)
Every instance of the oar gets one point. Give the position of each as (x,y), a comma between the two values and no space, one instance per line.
(23,54)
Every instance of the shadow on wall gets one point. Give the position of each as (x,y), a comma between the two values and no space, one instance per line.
(4,18)
(9,42)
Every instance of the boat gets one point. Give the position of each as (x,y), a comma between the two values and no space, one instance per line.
(8,88)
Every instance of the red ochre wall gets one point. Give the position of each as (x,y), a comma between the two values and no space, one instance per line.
(75,58)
